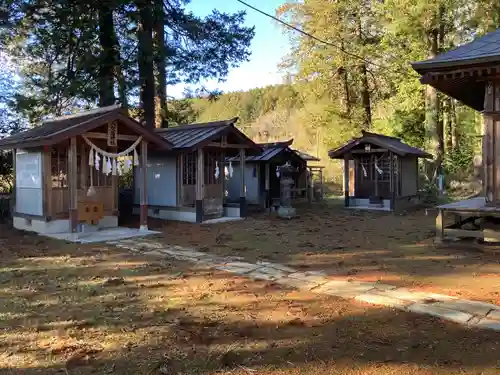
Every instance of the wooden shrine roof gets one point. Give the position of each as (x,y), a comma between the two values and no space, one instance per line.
(390,143)
(484,49)
(462,72)
(306,156)
(269,151)
(60,128)
(272,149)
(192,136)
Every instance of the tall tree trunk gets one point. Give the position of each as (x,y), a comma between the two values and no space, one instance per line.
(364,89)
(345,98)
(365,97)
(455,136)
(447,123)
(122,87)
(145,58)
(108,57)
(434,127)
(161,66)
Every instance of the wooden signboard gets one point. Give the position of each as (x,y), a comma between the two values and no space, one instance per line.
(90,212)
(112,134)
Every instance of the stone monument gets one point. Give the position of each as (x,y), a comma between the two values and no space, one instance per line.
(285,209)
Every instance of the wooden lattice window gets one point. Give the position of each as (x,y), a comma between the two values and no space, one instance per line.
(189,169)
(383,164)
(365,167)
(59,168)
(99,178)
(212,160)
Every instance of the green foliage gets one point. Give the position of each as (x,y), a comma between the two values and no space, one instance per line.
(65,61)
(458,163)
(409,126)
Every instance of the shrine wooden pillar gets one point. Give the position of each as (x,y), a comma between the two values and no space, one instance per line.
(392,182)
(144,186)
(491,143)
(347,158)
(267,177)
(13,209)
(243,190)
(47,181)
(200,185)
(72,185)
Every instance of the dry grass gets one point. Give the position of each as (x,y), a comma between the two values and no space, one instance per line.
(360,245)
(73,309)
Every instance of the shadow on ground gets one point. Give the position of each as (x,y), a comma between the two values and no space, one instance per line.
(90,309)
(368,246)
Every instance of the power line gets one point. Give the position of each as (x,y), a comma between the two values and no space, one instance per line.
(316,38)
(309,35)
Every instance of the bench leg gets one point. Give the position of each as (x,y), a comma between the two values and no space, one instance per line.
(439,227)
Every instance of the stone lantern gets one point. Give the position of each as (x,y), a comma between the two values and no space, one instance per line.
(286,181)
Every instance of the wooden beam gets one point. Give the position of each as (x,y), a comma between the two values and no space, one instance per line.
(114,185)
(180,178)
(346,180)
(200,175)
(121,137)
(144,186)
(267,176)
(84,167)
(227,145)
(439,226)
(200,185)
(72,184)
(243,189)
(47,181)
(371,151)
(476,72)
(14,193)
(462,233)
(393,182)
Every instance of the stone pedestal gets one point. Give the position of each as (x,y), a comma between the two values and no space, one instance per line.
(286,210)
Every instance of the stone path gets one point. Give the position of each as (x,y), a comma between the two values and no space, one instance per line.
(468,313)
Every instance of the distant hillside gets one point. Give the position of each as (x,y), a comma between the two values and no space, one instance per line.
(273,113)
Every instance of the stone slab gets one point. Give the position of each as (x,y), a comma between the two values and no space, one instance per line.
(149,245)
(345,289)
(192,254)
(488,324)
(277,274)
(311,277)
(154,253)
(261,276)
(277,266)
(378,299)
(495,314)
(241,264)
(238,269)
(416,297)
(384,287)
(440,312)
(296,283)
(471,307)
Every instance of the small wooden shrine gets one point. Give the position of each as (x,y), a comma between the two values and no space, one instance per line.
(66,170)
(380,172)
(471,74)
(262,174)
(189,182)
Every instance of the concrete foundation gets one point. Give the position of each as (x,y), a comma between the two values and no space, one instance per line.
(184,215)
(41,226)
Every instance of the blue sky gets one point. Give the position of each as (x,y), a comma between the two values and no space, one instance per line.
(269,46)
